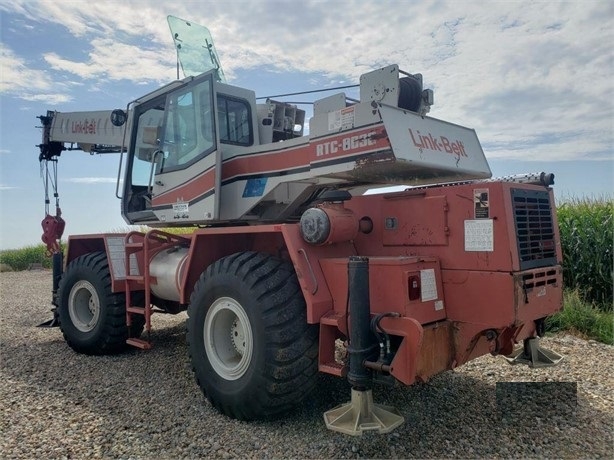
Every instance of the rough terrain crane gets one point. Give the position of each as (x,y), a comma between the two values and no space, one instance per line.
(290,260)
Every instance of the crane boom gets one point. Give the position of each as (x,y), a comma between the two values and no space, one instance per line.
(92,131)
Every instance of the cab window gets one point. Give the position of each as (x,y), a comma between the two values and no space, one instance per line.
(234,117)
(188,127)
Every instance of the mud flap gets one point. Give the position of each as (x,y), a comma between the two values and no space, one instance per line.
(533,355)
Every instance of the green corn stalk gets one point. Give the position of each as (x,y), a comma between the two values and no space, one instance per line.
(587,239)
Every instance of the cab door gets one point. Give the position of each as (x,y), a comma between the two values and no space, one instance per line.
(186,167)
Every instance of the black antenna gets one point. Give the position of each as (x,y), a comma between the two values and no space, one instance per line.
(177,48)
(308,92)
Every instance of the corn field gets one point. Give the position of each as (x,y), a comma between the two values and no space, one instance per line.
(587,239)
(21,259)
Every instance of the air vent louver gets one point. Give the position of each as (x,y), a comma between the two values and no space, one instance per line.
(534,228)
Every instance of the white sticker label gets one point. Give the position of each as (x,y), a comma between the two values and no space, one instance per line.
(438,305)
(180,207)
(347,118)
(479,235)
(181,211)
(428,284)
(334,120)
(341,119)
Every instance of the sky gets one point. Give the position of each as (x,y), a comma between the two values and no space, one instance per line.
(535,80)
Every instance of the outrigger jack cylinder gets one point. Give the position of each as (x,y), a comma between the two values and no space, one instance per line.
(361,414)
(533,355)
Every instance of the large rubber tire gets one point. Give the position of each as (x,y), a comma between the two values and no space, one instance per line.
(92,317)
(253,353)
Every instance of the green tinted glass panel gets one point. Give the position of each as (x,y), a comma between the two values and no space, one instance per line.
(195,50)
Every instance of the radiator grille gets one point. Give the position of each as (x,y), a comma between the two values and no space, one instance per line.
(534,228)
(543,278)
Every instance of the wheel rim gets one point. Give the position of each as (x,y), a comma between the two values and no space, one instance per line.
(84,306)
(228,338)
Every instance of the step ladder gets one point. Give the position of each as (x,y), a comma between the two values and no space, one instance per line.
(144,246)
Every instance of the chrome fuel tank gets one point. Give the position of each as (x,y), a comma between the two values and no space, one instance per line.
(167,268)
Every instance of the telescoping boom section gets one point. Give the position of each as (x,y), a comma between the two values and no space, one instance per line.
(291,269)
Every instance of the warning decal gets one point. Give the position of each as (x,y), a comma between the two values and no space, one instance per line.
(181,210)
(481,204)
(341,119)
(428,284)
(479,235)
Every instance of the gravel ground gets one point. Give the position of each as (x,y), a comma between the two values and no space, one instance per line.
(55,403)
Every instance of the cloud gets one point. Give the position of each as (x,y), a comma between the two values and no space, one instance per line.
(7,187)
(137,18)
(22,81)
(82,69)
(535,79)
(51,99)
(92,180)
(17,75)
(113,61)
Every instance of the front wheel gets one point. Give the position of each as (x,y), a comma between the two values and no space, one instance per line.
(92,317)
(253,353)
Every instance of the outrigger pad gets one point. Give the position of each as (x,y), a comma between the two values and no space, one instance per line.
(361,414)
(53,322)
(533,355)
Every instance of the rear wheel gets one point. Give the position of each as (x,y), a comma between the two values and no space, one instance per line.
(253,353)
(92,317)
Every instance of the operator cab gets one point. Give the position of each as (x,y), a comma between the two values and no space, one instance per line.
(176,138)
(183,132)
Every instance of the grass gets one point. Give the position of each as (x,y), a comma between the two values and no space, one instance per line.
(582,318)
(21,259)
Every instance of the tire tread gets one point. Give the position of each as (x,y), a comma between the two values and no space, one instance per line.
(291,343)
(112,338)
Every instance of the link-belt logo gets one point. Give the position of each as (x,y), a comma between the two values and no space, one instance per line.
(84,127)
(345,144)
(441,143)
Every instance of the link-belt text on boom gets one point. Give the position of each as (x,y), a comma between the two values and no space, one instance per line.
(441,143)
(85,127)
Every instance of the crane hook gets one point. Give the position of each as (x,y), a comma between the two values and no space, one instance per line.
(53,228)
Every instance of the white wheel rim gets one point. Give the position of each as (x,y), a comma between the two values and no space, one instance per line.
(228,338)
(84,306)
